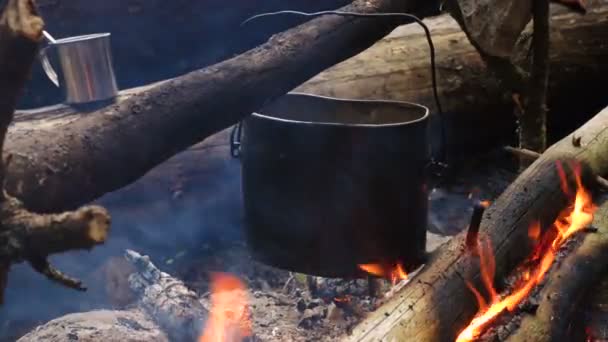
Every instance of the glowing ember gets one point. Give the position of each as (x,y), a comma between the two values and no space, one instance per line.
(343,299)
(394,273)
(228,317)
(573,219)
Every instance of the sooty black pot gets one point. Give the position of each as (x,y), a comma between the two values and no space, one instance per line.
(332,183)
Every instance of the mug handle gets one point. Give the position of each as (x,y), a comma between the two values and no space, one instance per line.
(48,68)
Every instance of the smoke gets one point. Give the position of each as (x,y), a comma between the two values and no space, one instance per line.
(208,209)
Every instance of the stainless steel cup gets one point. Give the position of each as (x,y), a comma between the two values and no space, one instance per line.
(86,67)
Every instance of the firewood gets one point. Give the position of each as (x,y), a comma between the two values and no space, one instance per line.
(24,235)
(578,273)
(437,304)
(174,307)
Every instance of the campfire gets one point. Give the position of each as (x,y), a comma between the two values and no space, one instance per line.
(156,164)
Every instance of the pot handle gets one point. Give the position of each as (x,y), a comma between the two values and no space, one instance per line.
(48,68)
(235,140)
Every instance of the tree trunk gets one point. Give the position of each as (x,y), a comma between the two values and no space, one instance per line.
(75,159)
(437,305)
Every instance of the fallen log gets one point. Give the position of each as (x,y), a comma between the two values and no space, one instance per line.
(437,304)
(473,96)
(567,286)
(76,159)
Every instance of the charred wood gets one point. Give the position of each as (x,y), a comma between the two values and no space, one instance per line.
(166,299)
(562,295)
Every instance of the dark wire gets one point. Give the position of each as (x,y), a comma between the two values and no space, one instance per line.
(427,33)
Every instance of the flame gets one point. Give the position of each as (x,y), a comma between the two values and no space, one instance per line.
(228,317)
(394,273)
(571,220)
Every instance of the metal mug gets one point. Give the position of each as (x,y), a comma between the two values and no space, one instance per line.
(86,67)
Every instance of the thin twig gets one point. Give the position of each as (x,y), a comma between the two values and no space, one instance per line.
(531,155)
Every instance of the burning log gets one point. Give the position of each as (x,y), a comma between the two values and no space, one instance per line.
(24,235)
(437,304)
(566,286)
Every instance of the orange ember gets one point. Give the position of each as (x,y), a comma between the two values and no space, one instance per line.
(228,317)
(571,220)
(394,273)
(343,299)
(534,231)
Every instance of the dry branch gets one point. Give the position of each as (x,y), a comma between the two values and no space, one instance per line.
(437,304)
(25,236)
(566,286)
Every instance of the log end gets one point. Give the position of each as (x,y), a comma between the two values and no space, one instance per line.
(97,220)
(21,16)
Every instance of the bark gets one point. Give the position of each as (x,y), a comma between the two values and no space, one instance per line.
(437,304)
(27,236)
(88,155)
(578,273)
